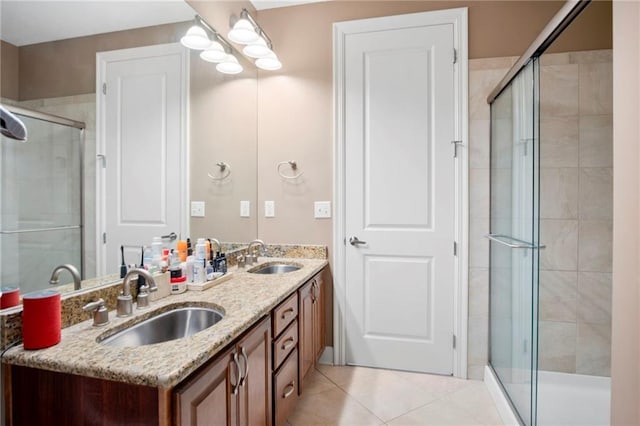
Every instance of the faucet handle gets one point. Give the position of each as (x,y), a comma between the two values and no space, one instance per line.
(143,297)
(100,313)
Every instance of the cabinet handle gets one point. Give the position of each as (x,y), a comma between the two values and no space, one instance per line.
(291,387)
(288,343)
(238,374)
(313,291)
(246,366)
(287,312)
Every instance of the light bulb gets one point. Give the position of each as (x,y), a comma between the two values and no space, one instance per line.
(243,32)
(257,49)
(229,66)
(196,38)
(214,53)
(269,62)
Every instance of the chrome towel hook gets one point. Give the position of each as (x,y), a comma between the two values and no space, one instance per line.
(224,167)
(294,167)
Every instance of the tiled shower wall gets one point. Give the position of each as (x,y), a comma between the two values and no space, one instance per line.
(576,212)
(576,199)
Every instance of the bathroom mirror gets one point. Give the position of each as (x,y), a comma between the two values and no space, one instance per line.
(57,76)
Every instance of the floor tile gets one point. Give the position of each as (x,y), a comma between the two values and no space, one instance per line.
(438,413)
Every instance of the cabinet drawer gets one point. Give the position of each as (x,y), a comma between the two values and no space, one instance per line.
(284,314)
(284,344)
(285,387)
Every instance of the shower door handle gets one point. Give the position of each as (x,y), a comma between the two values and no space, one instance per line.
(511,242)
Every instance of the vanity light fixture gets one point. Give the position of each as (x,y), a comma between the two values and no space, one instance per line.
(214,47)
(258,44)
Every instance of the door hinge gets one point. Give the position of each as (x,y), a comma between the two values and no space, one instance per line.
(455,248)
(454,341)
(455,56)
(104,238)
(104,88)
(455,147)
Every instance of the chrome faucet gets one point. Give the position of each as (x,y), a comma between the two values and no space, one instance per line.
(250,256)
(72,270)
(125,300)
(215,240)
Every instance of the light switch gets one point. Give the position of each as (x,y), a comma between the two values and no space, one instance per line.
(322,209)
(245,208)
(269,209)
(197,209)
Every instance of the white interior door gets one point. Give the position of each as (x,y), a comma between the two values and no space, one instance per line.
(400,198)
(142,125)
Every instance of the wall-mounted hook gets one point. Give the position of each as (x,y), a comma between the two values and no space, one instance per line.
(224,167)
(294,167)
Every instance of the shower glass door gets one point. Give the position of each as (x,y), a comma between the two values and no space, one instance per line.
(514,239)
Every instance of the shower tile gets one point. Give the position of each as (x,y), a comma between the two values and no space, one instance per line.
(504,62)
(479,193)
(559,143)
(559,193)
(596,193)
(557,346)
(481,83)
(479,135)
(561,240)
(593,355)
(595,241)
(478,341)
(555,59)
(596,89)
(478,244)
(592,56)
(594,297)
(478,293)
(558,296)
(559,90)
(596,141)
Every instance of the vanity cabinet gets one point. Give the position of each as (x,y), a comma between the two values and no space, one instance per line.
(312,324)
(234,388)
(285,359)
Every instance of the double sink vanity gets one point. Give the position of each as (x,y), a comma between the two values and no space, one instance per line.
(235,354)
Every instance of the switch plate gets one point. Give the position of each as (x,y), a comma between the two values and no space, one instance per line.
(322,209)
(269,209)
(245,208)
(197,209)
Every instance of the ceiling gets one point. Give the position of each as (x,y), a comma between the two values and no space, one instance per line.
(24,22)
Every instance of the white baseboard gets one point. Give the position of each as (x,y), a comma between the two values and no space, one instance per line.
(327,356)
(504,408)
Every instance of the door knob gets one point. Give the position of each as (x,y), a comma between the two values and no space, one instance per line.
(354,241)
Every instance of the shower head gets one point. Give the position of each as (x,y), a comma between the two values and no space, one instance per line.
(11,126)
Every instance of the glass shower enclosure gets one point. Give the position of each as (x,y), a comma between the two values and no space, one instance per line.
(41,221)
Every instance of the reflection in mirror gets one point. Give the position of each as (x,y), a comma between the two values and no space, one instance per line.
(58,76)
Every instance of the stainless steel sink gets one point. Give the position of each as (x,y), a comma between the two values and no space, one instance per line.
(175,324)
(277,268)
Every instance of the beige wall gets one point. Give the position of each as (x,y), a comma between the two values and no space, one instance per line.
(625,362)
(9,69)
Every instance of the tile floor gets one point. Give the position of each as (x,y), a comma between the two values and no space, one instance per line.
(367,396)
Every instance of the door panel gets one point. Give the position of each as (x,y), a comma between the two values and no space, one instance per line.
(399,106)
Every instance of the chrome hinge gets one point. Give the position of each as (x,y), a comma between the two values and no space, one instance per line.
(455,248)
(455,147)
(454,341)
(455,56)
(104,88)
(104,238)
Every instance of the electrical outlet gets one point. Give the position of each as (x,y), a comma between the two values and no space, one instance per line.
(245,208)
(269,209)
(197,209)
(322,209)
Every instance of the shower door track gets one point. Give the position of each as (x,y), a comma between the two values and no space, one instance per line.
(55,228)
(46,117)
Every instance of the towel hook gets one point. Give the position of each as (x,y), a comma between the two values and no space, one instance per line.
(294,167)
(223,167)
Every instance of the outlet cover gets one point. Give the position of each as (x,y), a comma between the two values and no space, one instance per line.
(322,209)
(245,208)
(197,209)
(269,209)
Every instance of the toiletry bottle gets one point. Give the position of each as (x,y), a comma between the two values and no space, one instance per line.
(201,249)
(189,248)
(209,267)
(199,271)
(181,247)
(190,263)
(156,246)
(223,263)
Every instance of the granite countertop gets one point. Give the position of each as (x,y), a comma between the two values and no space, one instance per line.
(244,299)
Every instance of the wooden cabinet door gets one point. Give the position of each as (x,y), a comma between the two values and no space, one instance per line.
(254,396)
(207,398)
(318,317)
(305,324)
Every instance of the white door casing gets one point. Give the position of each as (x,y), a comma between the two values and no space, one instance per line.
(400,102)
(142,169)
